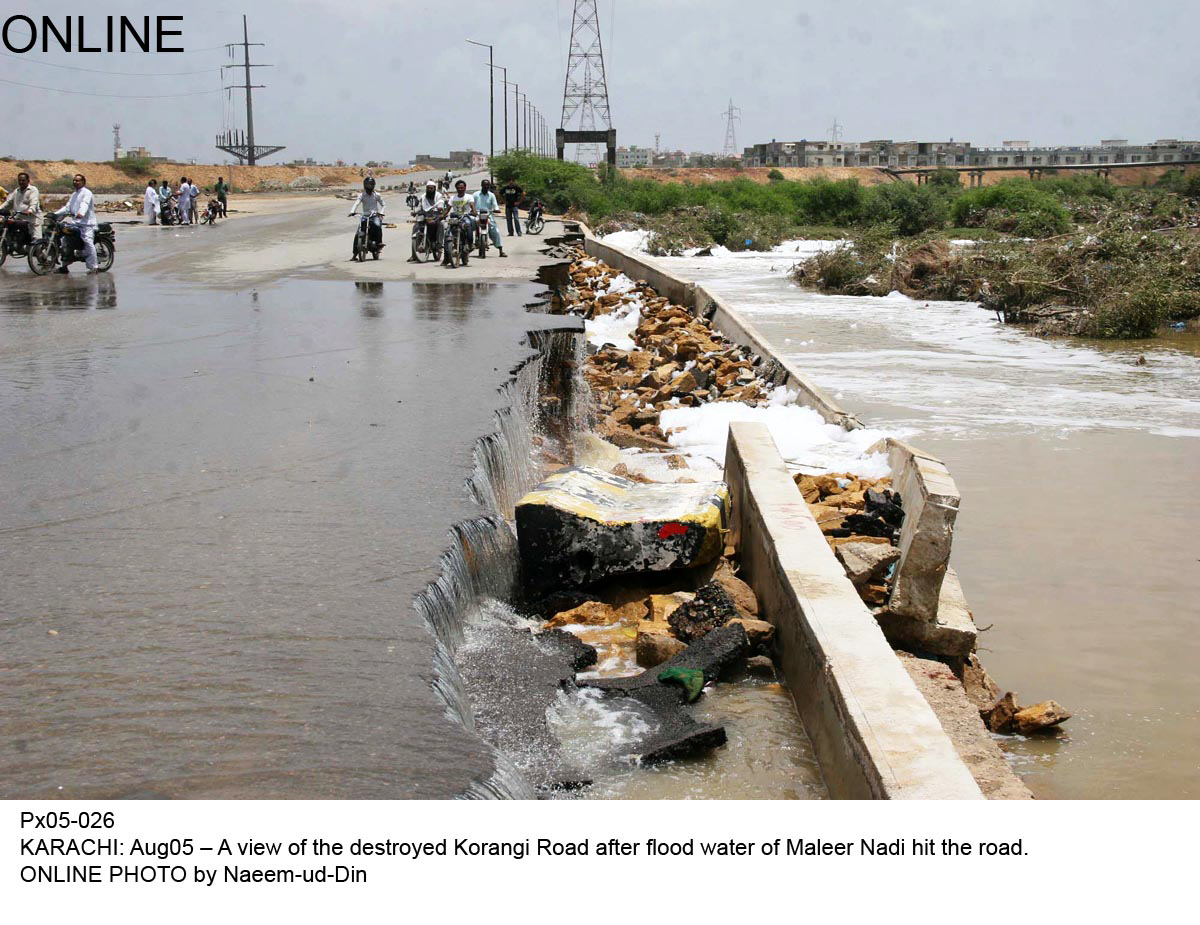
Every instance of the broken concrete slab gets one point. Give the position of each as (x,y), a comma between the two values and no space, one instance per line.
(866,563)
(582,524)
(710,608)
(931,503)
(951,633)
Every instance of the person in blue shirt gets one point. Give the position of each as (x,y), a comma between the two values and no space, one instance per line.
(485,201)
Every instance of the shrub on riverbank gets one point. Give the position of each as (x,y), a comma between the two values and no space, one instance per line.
(1113,284)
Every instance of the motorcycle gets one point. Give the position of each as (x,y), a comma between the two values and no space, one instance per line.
(481,234)
(425,238)
(211,213)
(363,243)
(534,223)
(15,237)
(60,242)
(458,239)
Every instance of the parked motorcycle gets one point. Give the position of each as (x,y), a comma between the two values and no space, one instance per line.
(211,213)
(364,242)
(60,243)
(15,237)
(425,238)
(534,223)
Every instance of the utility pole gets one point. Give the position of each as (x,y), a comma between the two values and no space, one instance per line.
(517,114)
(504,83)
(491,100)
(116,139)
(243,147)
(585,88)
(835,131)
(732,115)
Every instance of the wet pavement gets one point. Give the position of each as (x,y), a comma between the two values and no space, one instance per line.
(218,502)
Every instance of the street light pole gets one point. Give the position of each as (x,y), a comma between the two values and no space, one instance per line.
(491,102)
(504,80)
(517,113)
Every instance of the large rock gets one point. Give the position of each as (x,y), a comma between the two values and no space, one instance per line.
(866,563)
(595,613)
(742,595)
(711,608)
(656,648)
(999,716)
(582,524)
(1040,717)
(760,633)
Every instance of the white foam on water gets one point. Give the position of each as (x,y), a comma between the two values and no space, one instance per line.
(593,728)
(615,328)
(804,438)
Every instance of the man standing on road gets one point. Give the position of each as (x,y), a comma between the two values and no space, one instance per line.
(195,197)
(82,207)
(23,204)
(512,195)
(185,201)
(485,201)
(222,191)
(150,204)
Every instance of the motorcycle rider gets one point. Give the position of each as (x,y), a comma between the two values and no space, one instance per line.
(485,201)
(462,205)
(371,202)
(432,202)
(82,208)
(24,204)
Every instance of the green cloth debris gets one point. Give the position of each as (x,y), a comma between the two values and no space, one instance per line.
(690,679)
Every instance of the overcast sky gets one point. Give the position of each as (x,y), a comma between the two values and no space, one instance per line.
(387,80)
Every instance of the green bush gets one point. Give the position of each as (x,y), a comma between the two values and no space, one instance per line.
(133,166)
(945,178)
(1017,206)
(776,174)
(907,208)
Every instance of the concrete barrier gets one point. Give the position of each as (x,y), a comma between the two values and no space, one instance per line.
(929,494)
(873,732)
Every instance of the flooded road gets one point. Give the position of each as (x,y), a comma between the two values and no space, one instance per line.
(215,510)
(1079,469)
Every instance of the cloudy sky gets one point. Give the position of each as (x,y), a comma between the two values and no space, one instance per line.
(387,80)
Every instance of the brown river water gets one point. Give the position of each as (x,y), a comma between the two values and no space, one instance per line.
(1079,469)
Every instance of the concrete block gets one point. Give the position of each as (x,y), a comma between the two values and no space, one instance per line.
(952,632)
(931,502)
(582,524)
(875,736)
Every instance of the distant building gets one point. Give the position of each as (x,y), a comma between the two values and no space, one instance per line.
(899,154)
(634,157)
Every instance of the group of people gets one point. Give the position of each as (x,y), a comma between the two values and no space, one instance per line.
(24,204)
(465,208)
(181,203)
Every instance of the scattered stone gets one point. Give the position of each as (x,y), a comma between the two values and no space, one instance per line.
(742,595)
(977,683)
(761,665)
(867,563)
(711,608)
(760,633)
(1040,717)
(675,461)
(595,613)
(999,716)
(655,648)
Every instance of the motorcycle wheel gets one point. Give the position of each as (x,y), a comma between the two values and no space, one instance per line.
(482,246)
(536,226)
(375,253)
(3,253)
(104,256)
(40,260)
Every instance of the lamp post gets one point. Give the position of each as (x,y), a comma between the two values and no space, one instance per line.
(517,113)
(491,102)
(504,81)
(521,98)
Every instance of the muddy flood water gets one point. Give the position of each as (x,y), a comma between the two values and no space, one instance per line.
(215,510)
(1079,470)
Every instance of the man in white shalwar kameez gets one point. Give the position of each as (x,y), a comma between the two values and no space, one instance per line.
(185,201)
(150,204)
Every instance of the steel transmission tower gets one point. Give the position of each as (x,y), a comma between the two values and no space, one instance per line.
(732,115)
(241,144)
(585,91)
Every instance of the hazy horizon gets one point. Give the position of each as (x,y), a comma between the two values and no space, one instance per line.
(344,81)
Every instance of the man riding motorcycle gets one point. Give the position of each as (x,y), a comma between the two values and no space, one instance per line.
(25,207)
(371,202)
(463,206)
(433,202)
(82,208)
(485,201)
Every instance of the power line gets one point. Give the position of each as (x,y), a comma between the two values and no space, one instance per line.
(121,96)
(89,70)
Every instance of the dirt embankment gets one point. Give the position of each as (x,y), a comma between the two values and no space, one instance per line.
(1117,176)
(867,176)
(103,177)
